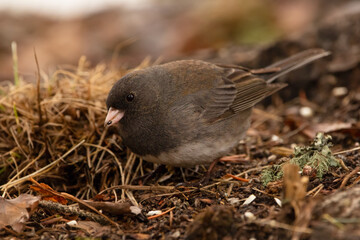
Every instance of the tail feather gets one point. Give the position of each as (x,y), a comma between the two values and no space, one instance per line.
(294,62)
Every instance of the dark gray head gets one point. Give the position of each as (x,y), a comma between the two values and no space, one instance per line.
(135,92)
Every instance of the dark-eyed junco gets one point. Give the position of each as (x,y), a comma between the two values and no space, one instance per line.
(191,112)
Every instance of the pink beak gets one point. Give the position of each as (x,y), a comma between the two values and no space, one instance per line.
(113,116)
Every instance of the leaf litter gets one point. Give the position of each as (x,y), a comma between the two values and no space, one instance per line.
(53,132)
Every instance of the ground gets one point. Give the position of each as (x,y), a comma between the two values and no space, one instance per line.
(52,133)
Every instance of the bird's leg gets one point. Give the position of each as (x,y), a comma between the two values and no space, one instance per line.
(147,176)
(183,174)
(204,180)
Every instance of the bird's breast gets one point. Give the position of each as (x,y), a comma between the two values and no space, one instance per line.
(202,151)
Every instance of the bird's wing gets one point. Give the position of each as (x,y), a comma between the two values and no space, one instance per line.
(250,88)
(231,94)
(206,104)
(239,88)
(217,100)
(238,91)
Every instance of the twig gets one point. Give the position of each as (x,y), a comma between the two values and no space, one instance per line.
(354,182)
(295,131)
(333,221)
(14,135)
(347,177)
(346,151)
(128,166)
(17,110)
(171,219)
(131,197)
(343,164)
(75,199)
(161,214)
(221,181)
(315,189)
(72,210)
(237,175)
(116,160)
(99,144)
(141,188)
(29,164)
(237,178)
(265,193)
(172,194)
(12,231)
(275,224)
(169,188)
(240,158)
(228,192)
(43,170)
(38,78)
(15,63)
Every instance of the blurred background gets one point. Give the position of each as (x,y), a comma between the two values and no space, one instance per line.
(128,31)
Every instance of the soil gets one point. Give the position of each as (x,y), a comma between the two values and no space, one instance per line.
(45,121)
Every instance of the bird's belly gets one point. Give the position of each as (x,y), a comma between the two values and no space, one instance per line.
(195,153)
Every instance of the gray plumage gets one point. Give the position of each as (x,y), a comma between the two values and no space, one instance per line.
(191,112)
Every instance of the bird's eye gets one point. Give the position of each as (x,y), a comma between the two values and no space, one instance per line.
(130,97)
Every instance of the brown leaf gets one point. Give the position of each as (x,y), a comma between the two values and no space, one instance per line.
(140,236)
(206,200)
(283,151)
(311,131)
(103,197)
(15,212)
(46,193)
(93,228)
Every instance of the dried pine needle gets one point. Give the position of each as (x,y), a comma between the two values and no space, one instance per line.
(61,114)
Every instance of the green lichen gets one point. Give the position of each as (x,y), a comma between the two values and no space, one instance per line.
(271,174)
(318,156)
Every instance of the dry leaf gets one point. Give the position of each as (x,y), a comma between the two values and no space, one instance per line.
(325,128)
(15,212)
(206,200)
(46,193)
(92,228)
(283,151)
(140,236)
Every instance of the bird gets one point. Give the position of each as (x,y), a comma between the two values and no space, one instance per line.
(191,112)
